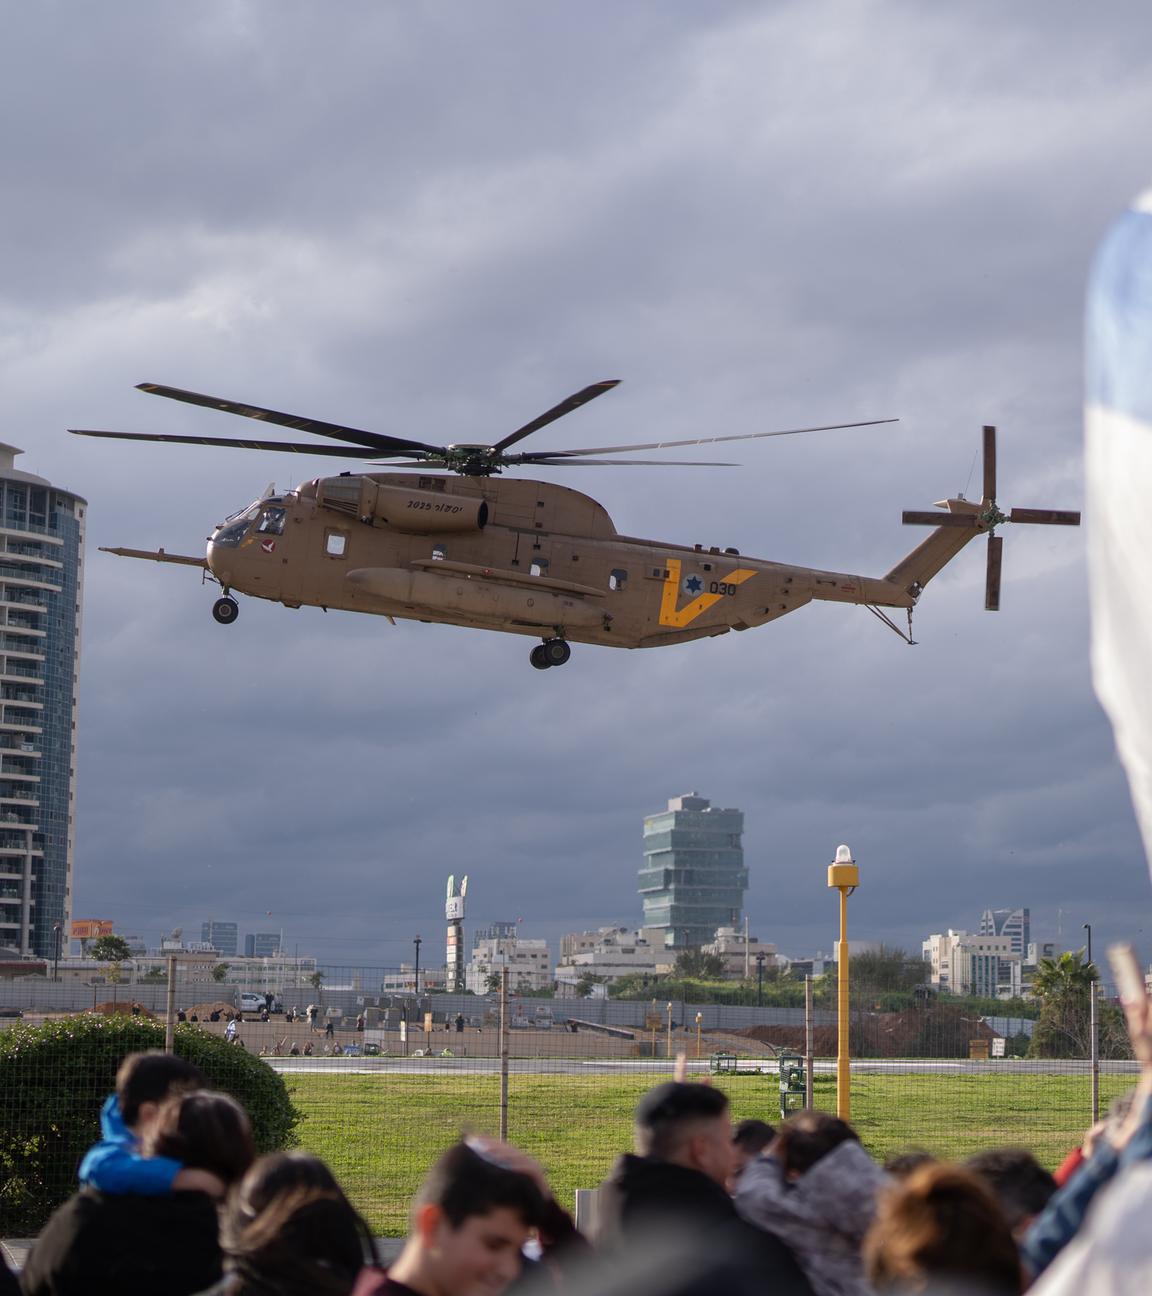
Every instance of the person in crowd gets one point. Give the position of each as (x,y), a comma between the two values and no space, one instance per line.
(749,1139)
(307,1048)
(667,1210)
(230,1031)
(288,1229)
(467,1229)
(1018,1182)
(101,1244)
(941,1230)
(181,1016)
(329,1029)
(817,1189)
(903,1164)
(116,1164)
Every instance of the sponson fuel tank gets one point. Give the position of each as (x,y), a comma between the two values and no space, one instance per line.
(478,597)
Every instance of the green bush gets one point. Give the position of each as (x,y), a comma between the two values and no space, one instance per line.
(55,1077)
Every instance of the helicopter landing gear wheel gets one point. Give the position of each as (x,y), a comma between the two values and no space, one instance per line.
(555,651)
(226,610)
(537,658)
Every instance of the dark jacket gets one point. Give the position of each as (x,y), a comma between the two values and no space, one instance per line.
(681,1229)
(126,1246)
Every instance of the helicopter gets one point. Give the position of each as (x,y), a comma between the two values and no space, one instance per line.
(466,546)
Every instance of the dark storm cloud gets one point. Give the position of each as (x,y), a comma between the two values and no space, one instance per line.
(437,221)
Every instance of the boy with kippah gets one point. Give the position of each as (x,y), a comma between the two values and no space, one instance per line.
(115,1164)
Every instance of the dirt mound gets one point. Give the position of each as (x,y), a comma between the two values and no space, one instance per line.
(205,1010)
(935,1030)
(123,1007)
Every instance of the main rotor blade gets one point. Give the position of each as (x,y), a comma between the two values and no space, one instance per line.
(989,464)
(941,519)
(992,578)
(1045,517)
(744,436)
(547,461)
(343,451)
(373,440)
(573,402)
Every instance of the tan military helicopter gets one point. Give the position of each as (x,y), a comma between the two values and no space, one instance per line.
(527,557)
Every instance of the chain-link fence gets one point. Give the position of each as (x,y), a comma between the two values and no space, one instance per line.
(383,1079)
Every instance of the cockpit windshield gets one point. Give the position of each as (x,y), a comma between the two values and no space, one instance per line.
(236,527)
(271,520)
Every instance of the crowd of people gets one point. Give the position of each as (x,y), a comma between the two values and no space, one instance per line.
(174,1200)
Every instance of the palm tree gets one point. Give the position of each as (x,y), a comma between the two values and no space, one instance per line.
(1063,986)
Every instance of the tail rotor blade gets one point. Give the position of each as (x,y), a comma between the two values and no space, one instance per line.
(989,463)
(941,519)
(1045,517)
(992,580)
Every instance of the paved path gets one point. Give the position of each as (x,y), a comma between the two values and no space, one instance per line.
(472,1066)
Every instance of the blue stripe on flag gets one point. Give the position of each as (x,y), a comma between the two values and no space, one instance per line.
(1119,324)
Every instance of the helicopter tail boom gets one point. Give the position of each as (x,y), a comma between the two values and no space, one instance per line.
(954,530)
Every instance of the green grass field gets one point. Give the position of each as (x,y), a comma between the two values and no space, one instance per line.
(380,1133)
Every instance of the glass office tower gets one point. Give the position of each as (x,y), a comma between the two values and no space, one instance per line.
(41,556)
(693,878)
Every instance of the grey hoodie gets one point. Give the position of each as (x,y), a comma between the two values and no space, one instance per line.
(822,1216)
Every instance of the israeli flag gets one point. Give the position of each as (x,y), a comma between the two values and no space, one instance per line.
(1118,467)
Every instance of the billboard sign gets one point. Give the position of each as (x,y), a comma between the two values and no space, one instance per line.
(90,928)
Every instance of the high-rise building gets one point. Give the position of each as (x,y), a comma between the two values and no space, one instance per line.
(41,577)
(983,964)
(224,937)
(261,944)
(1013,923)
(693,878)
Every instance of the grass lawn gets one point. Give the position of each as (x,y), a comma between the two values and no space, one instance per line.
(380,1133)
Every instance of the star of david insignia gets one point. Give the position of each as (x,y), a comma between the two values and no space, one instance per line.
(693,585)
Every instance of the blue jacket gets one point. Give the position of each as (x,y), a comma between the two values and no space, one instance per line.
(114,1165)
(1061,1219)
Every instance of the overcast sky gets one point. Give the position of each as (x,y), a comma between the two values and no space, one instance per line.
(436,220)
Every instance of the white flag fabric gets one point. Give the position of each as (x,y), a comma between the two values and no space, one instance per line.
(1118,467)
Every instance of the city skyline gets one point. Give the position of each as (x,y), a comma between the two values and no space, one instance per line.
(753,227)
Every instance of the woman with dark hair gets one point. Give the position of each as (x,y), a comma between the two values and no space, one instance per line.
(941,1230)
(289,1230)
(100,1244)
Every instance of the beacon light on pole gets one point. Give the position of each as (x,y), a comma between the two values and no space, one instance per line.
(844,871)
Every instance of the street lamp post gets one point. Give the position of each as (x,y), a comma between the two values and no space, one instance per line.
(843,876)
(1088,929)
(669,1032)
(1093,1034)
(760,956)
(416,978)
(699,1023)
(58,928)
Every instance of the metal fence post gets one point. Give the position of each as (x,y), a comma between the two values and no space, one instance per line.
(504,1052)
(808,1065)
(170,1013)
(1094,1045)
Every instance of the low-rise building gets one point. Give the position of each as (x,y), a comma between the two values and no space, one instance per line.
(739,952)
(968,963)
(528,962)
(608,954)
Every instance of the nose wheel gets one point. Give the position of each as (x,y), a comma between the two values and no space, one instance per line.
(226,610)
(552,652)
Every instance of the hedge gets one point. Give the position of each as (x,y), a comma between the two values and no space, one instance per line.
(54,1079)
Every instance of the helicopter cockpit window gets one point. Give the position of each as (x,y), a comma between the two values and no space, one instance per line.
(617,579)
(439,551)
(272,522)
(539,567)
(236,527)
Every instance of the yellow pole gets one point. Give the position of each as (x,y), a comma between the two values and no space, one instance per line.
(843,876)
(843,1066)
(699,1019)
(669,1032)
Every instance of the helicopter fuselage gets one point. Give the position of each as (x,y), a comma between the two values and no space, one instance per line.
(522,557)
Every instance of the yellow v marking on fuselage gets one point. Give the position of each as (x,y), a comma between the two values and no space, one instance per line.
(671,615)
